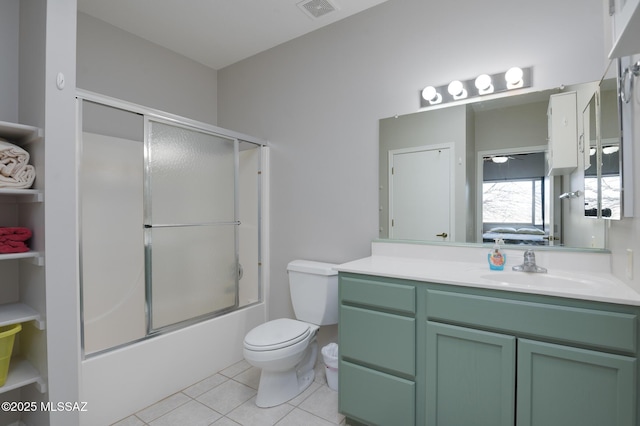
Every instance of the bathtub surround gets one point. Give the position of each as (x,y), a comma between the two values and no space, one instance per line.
(122,322)
(126,380)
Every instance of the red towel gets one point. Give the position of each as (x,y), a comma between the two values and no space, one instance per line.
(12,239)
(13,247)
(14,233)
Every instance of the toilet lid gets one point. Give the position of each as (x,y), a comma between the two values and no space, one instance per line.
(276,334)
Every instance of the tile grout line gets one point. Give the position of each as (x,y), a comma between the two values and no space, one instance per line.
(228,377)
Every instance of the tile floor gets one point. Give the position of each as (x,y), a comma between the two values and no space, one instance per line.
(228,399)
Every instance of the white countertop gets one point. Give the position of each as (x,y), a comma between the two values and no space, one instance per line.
(586,285)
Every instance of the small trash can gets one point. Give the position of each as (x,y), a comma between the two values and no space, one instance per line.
(330,355)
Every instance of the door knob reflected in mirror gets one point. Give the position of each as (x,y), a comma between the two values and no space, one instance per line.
(443,235)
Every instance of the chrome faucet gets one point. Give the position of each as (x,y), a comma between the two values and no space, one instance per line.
(529,264)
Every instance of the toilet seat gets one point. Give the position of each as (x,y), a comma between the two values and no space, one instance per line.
(276,334)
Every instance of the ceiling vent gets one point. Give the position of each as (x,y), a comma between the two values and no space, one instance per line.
(316,8)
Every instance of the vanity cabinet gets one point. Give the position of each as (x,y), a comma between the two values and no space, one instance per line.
(549,364)
(490,357)
(562,133)
(377,350)
(625,15)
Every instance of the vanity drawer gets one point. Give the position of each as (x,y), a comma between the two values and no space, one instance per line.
(590,327)
(378,294)
(375,397)
(378,339)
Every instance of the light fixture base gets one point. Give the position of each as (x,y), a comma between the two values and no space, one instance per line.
(498,84)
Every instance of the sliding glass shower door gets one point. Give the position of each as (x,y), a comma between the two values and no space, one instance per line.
(170,221)
(191,223)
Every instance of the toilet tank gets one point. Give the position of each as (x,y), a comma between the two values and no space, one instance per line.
(314,291)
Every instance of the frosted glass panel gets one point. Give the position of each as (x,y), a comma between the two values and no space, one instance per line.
(113,285)
(191,176)
(193,271)
(248,231)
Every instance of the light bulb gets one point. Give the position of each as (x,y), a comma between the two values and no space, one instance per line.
(483,84)
(513,77)
(455,88)
(610,149)
(430,94)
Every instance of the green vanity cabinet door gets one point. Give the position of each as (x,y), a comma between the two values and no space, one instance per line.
(379,294)
(374,397)
(378,339)
(470,377)
(561,386)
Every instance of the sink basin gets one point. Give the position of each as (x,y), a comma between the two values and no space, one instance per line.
(533,280)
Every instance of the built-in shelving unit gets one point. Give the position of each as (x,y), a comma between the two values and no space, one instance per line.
(23,195)
(20,134)
(14,313)
(26,255)
(21,371)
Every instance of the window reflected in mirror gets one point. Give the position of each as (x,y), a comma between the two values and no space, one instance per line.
(513,197)
(609,183)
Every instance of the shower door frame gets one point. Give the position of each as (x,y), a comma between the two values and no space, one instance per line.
(150,114)
(149,225)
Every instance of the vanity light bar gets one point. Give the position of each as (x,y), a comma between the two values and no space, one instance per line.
(484,84)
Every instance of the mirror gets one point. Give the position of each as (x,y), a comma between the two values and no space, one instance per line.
(445,148)
(589,149)
(602,175)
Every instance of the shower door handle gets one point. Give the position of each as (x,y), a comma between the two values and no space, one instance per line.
(182,225)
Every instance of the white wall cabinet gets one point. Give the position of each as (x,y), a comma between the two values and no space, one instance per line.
(21,371)
(626,27)
(563,133)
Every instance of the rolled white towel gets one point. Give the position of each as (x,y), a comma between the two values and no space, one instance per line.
(12,158)
(23,180)
(15,170)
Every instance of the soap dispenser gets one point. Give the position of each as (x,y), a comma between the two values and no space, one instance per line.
(496,258)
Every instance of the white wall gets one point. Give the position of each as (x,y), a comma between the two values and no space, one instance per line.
(9,53)
(625,234)
(318,100)
(115,63)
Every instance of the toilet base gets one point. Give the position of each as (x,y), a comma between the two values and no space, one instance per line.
(278,387)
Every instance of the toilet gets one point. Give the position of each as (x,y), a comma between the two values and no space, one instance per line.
(286,349)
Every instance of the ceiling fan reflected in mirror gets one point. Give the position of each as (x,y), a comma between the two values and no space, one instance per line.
(501,158)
